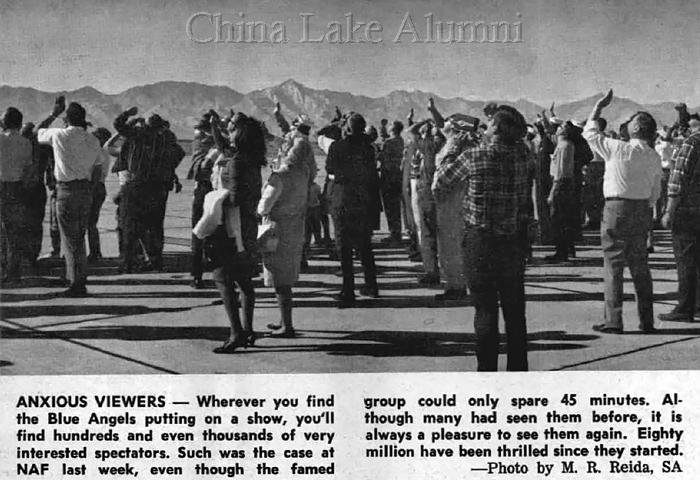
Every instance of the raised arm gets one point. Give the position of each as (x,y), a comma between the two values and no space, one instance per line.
(219,140)
(121,124)
(437,117)
(281,121)
(58,108)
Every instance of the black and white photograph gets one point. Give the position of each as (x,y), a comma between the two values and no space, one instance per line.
(240,187)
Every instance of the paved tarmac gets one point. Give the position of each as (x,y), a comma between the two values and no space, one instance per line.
(154,323)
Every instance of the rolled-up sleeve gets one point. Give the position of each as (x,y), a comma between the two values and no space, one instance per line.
(599,143)
(45,135)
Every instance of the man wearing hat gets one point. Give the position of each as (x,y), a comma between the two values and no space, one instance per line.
(354,205)
(77,160)
(150,154)
(682,216)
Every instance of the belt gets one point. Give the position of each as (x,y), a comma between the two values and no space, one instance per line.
(74,182)
(620,199)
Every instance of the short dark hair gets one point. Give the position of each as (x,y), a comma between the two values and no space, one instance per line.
(356,124)
(647,127)
(12,118)
(397,127)
(509,123)
(75,114)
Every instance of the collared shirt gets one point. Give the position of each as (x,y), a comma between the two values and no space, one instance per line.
(76,152)
(685,178)
(632,169)
(15,156)
(497,194)
(562,165)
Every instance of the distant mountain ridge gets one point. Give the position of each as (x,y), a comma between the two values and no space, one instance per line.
(182,103)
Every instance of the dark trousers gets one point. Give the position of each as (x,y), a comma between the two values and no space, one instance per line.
(564,213)
(348,236)
(155,233)
(313,225)
(142,212)
(36,210)
(98,198)
(686,249)
(623,236)
(73,201)
(53,225)
(200,191)
(495,269)
(391,198)
(13,217)
(593,200)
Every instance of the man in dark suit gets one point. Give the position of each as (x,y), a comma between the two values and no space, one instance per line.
(354,206)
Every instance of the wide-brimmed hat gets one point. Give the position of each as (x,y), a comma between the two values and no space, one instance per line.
(462,122)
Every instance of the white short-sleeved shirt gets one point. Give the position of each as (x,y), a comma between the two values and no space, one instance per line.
(632,169)
(75,150)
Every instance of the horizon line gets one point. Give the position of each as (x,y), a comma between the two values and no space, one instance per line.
(536,103)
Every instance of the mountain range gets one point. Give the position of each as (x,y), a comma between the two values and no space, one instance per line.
(182,103)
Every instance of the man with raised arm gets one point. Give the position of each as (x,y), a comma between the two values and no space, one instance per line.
(631,186)
(77,161)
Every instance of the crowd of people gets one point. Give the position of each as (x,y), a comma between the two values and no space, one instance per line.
(471,196)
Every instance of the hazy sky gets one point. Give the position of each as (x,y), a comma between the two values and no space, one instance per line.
(647,50)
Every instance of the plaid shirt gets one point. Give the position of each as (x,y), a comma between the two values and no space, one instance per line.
(498,177)
(685,179)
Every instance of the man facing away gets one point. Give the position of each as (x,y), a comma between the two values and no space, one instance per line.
(77,161)
(496,214)
(682,216)
(354,203)
(15,165)
(631,185)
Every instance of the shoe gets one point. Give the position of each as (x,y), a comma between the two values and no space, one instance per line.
(650,249)
(603,328)
(369,292)
(283,334)
(75,292)
(344,301)
(250,338)
(94,259)
(274,326)
(230,346)
(555,259)
(452,294)
(197,283)
(674,316)
(429,280)
(648,330)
